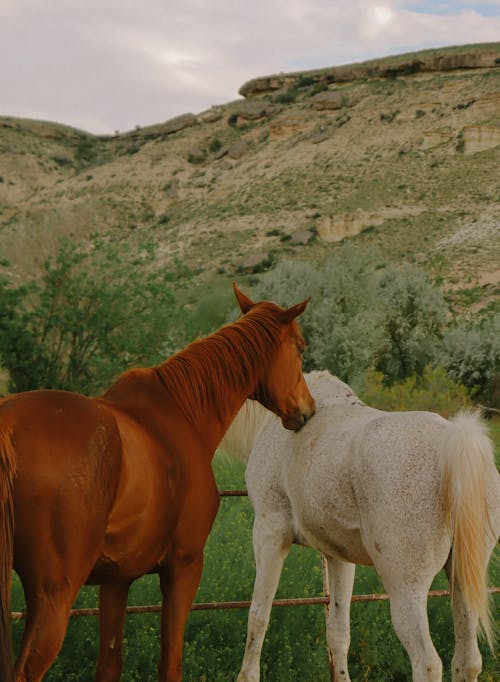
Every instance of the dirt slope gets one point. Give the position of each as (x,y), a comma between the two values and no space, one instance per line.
(402,155)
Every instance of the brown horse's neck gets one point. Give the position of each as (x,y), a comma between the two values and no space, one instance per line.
(207,382)
(212,377)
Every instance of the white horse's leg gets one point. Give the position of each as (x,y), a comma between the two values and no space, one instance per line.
(338,631)
(270,549)
(409,617)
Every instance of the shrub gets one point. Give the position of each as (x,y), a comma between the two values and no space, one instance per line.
(214,145)
(361,316)
(434,391)
(95,312)
(305,81)
(287,97)
(389,117)
(415,314)
(319,87)
(86,149)
(471,355)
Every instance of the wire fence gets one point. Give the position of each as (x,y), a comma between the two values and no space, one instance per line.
(218,605)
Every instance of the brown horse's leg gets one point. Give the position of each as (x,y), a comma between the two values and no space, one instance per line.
(112,605)
(47,615)
(179,582)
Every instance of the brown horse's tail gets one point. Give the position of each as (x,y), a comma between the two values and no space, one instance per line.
(468,464)
(7,473)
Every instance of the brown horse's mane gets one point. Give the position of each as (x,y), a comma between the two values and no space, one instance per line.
(233,357)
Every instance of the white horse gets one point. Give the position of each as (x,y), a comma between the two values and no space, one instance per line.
(408,492)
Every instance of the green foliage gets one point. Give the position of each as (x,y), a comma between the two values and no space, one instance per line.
(287,97)
(93,313)
(434,391)
(341,330)
(214,145)
(261,266)
(471,355)
(211,311)
(197,156)
(318,87)
(415,313)
(388,117)
(393,320)
(86,149)
(305,81)
(362,316)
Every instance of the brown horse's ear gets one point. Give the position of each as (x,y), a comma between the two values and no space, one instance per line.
(244,302)
(294,311)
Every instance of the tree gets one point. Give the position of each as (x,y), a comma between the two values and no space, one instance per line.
(363,315)
(415,314)
(471,356)
(94,312)
(343,323)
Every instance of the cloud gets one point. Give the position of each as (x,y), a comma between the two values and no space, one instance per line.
(103,65)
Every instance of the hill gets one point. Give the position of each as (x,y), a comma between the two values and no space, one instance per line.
(400,154)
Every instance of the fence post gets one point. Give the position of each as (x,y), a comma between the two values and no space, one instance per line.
(326,592)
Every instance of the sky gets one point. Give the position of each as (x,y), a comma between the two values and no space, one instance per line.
(111,65)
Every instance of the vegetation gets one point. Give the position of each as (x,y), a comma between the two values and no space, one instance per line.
(97,311)
(365,316)
(288,96)
(471,355)
(433,391)
(387,329)
(405,173)
(93,313)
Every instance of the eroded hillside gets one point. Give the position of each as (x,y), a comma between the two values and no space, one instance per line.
(402,158)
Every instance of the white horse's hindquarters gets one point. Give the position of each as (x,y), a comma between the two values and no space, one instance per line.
(396,481)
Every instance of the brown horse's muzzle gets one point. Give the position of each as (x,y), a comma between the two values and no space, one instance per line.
(296,419)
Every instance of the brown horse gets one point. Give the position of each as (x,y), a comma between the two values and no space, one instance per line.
(103,490)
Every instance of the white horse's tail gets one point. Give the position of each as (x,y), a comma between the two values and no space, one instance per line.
(468,464)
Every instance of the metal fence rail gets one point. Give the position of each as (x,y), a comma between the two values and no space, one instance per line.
(215,606)
(219,605)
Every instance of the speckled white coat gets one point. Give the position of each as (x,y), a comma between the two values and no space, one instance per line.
(363,486)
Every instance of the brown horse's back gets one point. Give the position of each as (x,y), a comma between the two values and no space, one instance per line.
(68,456)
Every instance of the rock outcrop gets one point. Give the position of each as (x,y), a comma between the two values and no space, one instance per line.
(426,61)
(480,138)
(329,99)
(335,228)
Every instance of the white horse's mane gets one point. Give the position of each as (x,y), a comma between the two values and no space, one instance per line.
(244,430)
